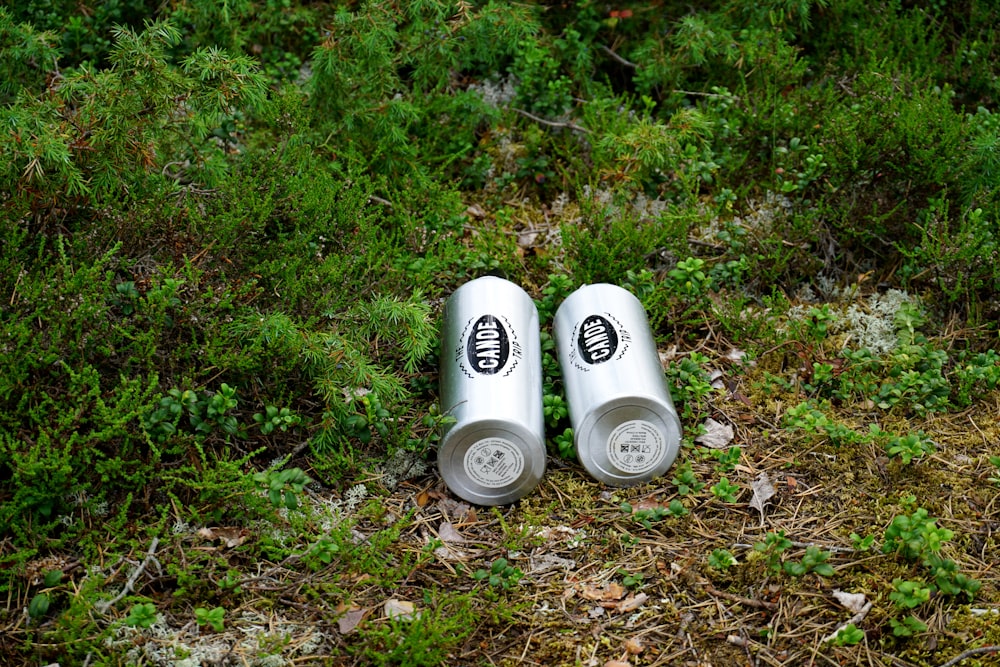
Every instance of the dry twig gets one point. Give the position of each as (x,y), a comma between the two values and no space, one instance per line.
(552,123)
(971,652)
(103,607)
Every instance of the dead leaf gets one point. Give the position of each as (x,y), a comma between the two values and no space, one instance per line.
(667,356)
(735,355)
(717,435)
(527,238)
(762,492)
(230,538)
(423,498)
(475,211)
(715,379)
(741,397)
(454,510)
(352,616)
(851,601)
(611,592)
(634,646)
(617,663)
(447,533)
(556,533)
(400,609)
(632,602)
(547,562)
(614,591)
(646,504)
(35,570)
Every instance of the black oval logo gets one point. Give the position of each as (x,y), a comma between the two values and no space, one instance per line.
(597,340)
(488,347)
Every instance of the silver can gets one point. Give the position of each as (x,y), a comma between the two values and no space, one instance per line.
(625,427)
(491,383)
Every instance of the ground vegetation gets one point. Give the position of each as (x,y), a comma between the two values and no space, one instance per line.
(226,233)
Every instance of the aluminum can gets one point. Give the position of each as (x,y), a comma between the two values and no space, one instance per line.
(491,383)
(625,428)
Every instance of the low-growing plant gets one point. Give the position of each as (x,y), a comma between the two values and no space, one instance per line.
(813,560)
(646,516)
(282,486)
(721,559)
(689,277)
(772,547)
(565,444)
(995,461)
(949,580)
(690,384)
(231,583)
(554,408)
(909,626)
(918,538)
(39,605)
(862,543)
(206,412)
(909,447)
(806,417)
(142,615)
(213,411)
(849,635)
(554,293)
(685,480)
(818,321)
(631,580)
(501,574)
(725,490)
(727,459)
(324,551)
(676,508)
(976,372)
(273,418)
(915,536)
(370,419)
(214,618)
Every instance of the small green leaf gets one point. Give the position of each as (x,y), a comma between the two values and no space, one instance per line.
(52,578)
(39,605)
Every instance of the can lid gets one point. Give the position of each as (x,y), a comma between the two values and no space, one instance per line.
(491,462)
(628,440)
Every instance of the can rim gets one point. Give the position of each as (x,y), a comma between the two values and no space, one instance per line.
(592,437)
(460,439)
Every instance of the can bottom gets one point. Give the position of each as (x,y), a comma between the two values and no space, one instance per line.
(628,441)
(491,462)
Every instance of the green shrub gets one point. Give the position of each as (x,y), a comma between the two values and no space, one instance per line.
(102,134)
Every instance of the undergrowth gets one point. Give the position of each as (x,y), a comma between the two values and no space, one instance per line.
(228,229)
